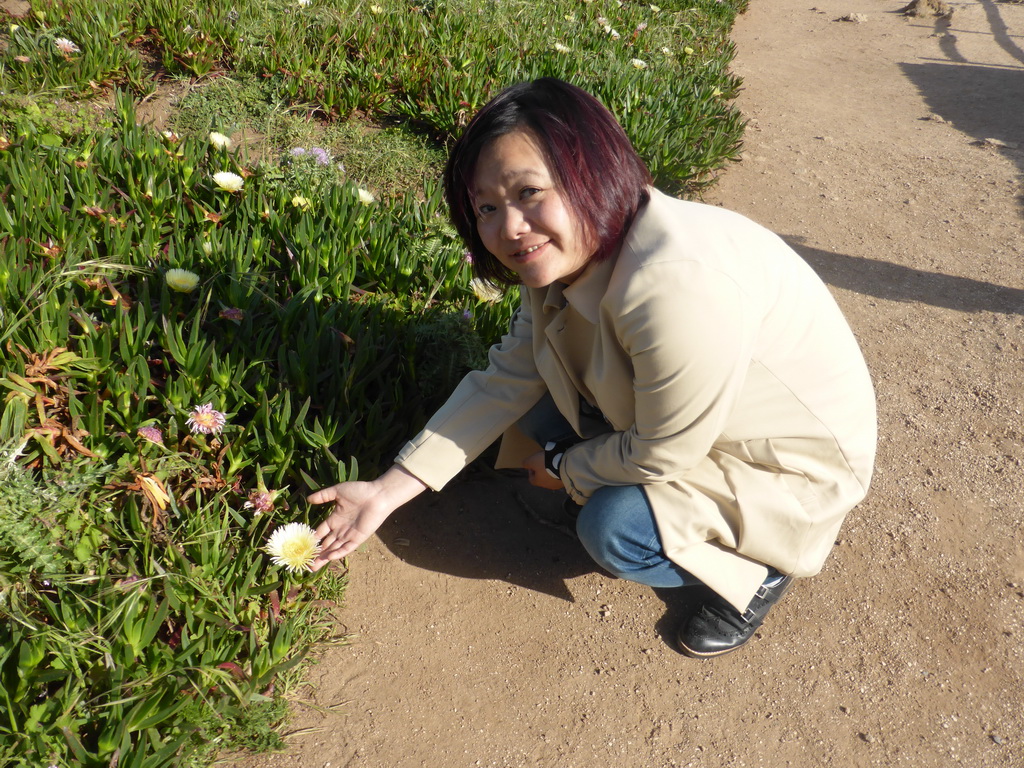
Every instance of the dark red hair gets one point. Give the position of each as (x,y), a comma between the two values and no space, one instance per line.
(603,180)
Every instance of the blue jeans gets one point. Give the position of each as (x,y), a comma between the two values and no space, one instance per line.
(616,526)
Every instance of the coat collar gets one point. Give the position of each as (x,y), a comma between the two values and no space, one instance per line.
(585,293)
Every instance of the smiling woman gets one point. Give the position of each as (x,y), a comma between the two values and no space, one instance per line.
(548,131)
(675,371)
(521,216)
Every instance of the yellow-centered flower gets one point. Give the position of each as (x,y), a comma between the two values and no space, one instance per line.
(294,546)
(181,280)
(485,291)
(228,181)
(219,140)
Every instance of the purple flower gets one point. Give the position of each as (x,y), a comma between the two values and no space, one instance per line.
(297,151)
(467,257)
(260,502)
(152,434)
(321,155)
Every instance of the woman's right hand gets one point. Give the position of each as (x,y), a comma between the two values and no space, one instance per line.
(359,509)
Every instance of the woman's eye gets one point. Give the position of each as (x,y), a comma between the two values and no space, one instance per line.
(529,192)
(484,209)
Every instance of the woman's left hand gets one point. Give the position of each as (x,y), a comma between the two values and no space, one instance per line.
(538,474)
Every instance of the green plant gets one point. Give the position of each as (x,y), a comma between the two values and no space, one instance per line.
(184,354)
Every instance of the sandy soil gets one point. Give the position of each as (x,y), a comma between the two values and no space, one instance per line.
(481,638)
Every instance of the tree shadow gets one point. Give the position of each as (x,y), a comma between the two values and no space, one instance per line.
(984,101)
(884,280)
(479,527)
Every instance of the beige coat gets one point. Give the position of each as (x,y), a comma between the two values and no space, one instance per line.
(736,393)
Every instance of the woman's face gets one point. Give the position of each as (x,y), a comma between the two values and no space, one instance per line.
(521,216)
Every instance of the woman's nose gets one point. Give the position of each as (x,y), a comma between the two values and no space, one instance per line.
(513,225)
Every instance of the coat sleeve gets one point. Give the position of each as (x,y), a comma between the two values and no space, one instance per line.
(689,333)
(482,407)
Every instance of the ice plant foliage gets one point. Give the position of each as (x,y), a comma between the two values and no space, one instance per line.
(181,280)
(205,420)
(294,546)
(228,181)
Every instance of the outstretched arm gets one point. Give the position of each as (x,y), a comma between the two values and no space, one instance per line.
(359,509)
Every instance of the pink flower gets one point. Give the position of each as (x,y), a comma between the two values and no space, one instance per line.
(152,434)
(260,502)
(205,420)
(65,46)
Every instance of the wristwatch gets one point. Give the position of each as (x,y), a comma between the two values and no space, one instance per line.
(554,450)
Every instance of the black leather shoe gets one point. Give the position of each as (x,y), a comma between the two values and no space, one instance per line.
(718,628)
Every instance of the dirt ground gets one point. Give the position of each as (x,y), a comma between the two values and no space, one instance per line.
(481,638)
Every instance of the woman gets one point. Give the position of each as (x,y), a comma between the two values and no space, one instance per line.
(696,391)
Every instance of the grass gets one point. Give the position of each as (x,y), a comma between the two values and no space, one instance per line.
(331,311)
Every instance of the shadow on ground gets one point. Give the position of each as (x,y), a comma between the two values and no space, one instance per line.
(983,101)
(884,280)
(487,525)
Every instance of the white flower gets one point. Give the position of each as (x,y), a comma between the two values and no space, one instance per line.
(366,196)
(376,9)
(301,202)
(219,140)
(656,9)
(207,247)
(181,280)
(294,546)
(485,291)
(65,46)
(666,50)
(303,3)
(638,63)
(688,51)
(562,48)
(613,34)
(228,181)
